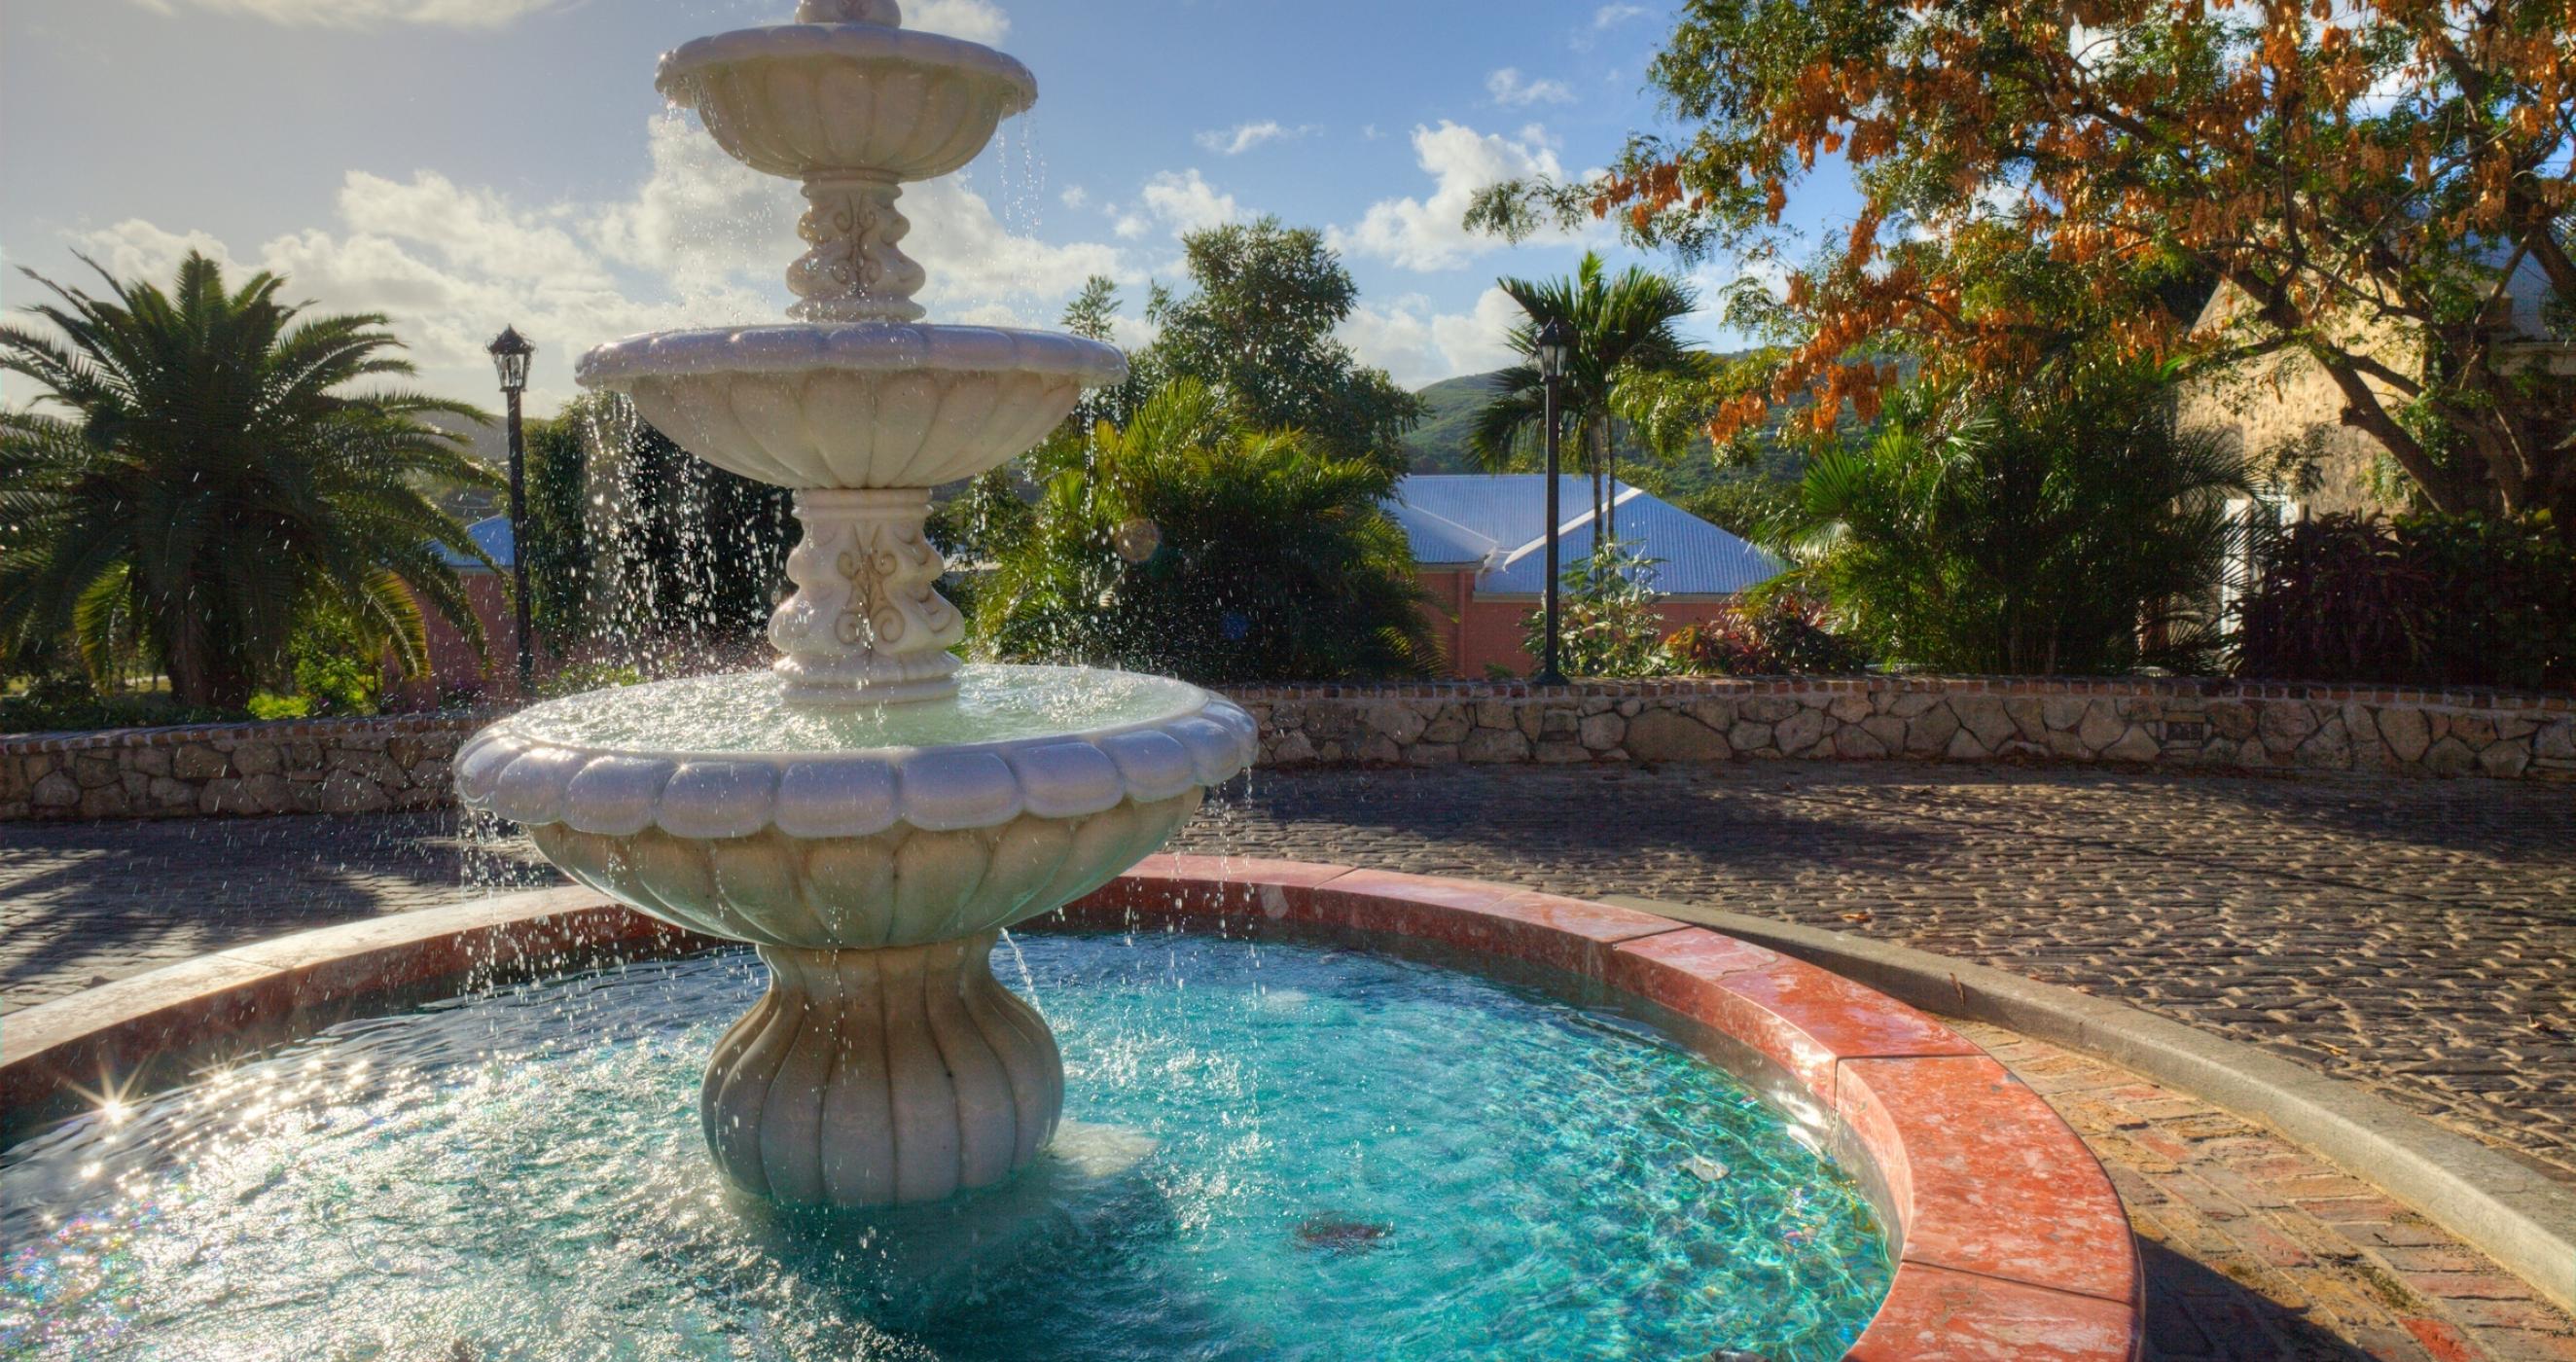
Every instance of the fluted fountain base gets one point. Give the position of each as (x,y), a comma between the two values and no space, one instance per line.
(882,1078)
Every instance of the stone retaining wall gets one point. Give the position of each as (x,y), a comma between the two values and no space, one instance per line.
(370,765)
(296,766)
(2223,725)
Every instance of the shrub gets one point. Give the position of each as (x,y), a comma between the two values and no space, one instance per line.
(2423,600)
(1784,635)
(1609,625)
(1189,544)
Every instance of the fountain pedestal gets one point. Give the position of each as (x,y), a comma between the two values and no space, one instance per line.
(880,1077)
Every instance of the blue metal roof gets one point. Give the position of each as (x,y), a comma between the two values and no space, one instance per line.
(493,537)
(1500,521)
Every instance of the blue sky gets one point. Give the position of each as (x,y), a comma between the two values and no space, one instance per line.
(465,163)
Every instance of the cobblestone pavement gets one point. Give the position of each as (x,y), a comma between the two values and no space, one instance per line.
(2416,937)
(2255,1250)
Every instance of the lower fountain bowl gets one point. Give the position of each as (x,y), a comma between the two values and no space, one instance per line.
(2004,1235)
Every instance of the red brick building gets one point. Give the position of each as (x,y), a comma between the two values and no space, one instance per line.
(1480,545)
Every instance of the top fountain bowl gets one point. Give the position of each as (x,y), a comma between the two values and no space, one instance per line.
(814,101)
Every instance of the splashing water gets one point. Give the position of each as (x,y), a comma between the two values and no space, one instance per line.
(1354,1157)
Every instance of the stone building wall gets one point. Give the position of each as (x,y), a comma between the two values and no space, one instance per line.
(372,765)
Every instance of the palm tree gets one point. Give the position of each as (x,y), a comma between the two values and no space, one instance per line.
(212,486)
(1624,326)
(2067,527)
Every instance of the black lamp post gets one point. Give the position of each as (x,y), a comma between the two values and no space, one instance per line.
(1555,344)
(510,356)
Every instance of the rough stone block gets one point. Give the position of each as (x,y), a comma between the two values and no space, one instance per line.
(1984,716)
(1769,709)
(1888,729)
(2135,745)
(2405,732)
(1377,749)
(2504,759)
(1602,732)
(57,790)
(2100,727)
(1495,714)
(1720,715)
(1928,734)
(150,761)
(2028,718)
(2062,713)
(2285,724)
(1403,723)
(1858,744)
(1662,735)
(1851,709)
(1432,754)
(2232,720)
(1450,725)
(2329,748)
(1292,749)
(1799,731)
(2477,730)
(1487,746)
(2556,741)
(346,792)
(1964,746)
(2450,757)
(1562,752)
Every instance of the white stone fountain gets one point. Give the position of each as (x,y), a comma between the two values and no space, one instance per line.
(874,814)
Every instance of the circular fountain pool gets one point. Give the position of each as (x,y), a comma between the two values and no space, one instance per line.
(1342,1155)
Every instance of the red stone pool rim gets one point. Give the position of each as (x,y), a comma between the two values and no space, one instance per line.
(2011,1242)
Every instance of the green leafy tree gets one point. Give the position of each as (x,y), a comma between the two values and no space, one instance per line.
(1193,543)
(1257,329)
(2071,531)
(215,482)
(1626,328)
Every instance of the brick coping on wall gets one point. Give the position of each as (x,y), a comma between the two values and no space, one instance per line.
(371,765)
(1722,687)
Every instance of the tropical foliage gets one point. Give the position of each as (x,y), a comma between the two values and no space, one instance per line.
(211,483)
(1626,338)
(2350,172)
(2425,600)
(1785,633)
(689,559)
(2070,530)
(1257,328)
(1193,542)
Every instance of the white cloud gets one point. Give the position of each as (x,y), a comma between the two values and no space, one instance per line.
(977,21)
(1611,16)
(1511,90)
(1244,137)
(1417,344)
(703,241)
(1075,196)
(1180,200)
(1431,234)
(482,14)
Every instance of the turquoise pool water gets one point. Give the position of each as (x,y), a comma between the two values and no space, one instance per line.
(1352,1157)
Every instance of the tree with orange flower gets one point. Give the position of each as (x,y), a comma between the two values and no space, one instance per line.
(2345,172)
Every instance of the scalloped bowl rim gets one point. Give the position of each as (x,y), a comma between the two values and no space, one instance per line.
(852,42)
(863,347)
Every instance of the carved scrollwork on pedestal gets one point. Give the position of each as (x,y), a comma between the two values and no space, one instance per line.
(867,623)
(856,269)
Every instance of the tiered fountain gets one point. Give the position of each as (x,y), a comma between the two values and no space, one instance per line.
(873,815)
